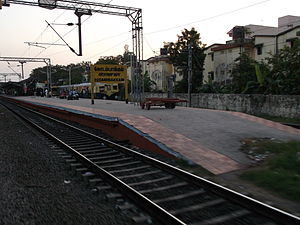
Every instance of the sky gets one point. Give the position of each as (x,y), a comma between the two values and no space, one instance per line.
(106,35)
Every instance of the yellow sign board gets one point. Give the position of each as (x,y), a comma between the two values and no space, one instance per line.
(106,73)
(103,73)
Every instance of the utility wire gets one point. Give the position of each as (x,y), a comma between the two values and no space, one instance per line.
(149,45)
(38,37)
(106,50)
(58,39)
(109,37)
(59,16)
(93,42)
(209,18)
(277,31)
(67,32)
(61,39)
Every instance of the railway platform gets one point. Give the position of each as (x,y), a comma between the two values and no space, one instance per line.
(210,138)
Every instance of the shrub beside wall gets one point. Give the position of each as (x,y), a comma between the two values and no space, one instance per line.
(274,105)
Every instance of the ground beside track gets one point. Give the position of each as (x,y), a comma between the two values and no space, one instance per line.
(37,187)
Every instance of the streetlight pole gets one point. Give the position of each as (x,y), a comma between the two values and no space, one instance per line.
(79,13)
(70,77)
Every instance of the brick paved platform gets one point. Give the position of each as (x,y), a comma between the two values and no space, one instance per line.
(210,138)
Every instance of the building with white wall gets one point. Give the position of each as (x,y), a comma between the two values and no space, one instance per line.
(159,69)
(256,40)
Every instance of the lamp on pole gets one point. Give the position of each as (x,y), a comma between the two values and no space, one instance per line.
(79,13)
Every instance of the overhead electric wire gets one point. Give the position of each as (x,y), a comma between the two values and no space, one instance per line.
(209,18)
(67,32)
(170,28)
(11,68)
(147,42)
(106,49)
(297,22)
(109,37)
(62,39)
(263,27)
(93,42)
(43,50)
(38,37)
(59,16)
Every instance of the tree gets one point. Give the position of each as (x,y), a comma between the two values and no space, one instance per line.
(178,53)
(148,83)
(279,74)
(243,74)
(284,77)
(39,74)
(60,74)
(114,60)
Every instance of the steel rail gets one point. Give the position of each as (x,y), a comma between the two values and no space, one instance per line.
(273,213)
(152,208)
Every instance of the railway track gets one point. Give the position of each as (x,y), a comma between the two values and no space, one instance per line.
(168,195)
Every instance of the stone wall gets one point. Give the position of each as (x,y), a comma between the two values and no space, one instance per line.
(274,105)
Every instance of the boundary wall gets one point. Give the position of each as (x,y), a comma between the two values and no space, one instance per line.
(273,105)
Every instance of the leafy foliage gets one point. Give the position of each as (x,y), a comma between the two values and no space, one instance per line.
(148,83)
(279,74)
(215,87)
(284,77)
(114,60)
(178,53)
(60,74)
(243,75)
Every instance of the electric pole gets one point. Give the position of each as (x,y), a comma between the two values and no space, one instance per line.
(79,13)
(190,73)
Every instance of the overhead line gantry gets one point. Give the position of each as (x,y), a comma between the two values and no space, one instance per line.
(23,60)
(10,74)
(87,8)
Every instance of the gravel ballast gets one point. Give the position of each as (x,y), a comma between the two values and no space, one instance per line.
(38,188)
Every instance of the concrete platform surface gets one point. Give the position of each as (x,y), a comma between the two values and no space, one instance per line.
(210,138)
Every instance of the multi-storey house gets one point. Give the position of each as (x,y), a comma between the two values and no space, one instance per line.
(255,40)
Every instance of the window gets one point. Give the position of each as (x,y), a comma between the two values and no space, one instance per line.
(292,43)
(211,75)
(259,49)
(212,56)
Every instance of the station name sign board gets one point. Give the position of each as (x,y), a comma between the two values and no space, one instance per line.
(105,73)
